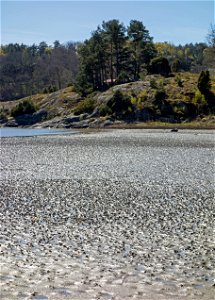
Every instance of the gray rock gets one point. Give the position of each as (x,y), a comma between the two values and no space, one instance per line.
(30,119)
(96,123)
(72,119)
(107,123)
(81,124)
(95,113)
(11,123)
(84,116)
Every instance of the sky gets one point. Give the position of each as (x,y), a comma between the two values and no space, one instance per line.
(177,22)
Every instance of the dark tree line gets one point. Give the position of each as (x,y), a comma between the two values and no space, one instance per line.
(113,54)
(189,57)
(27,70)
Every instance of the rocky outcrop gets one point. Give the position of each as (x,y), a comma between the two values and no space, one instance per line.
(30,119)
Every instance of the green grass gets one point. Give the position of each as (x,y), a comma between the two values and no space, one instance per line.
(207,124)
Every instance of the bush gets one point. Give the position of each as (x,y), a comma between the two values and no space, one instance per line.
(52,89)
(85,106)
(200,102)
(45,91)
(179,81)
(122,78)
(153,83)
(159,65)
(166,108)
(142,96)
(25,107)
(3,116)
(179,113)
(176,65)
(119,103)
(140,99)
(104,110)
(199,97)
(160,95)
(204,83)
(143,74)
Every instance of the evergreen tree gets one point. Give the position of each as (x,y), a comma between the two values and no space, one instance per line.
(204,83)
(142,49)
(115,38)
(159,65)
(204,86)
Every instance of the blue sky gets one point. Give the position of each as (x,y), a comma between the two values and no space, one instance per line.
(29,22)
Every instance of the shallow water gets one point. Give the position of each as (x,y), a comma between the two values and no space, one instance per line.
(15,132)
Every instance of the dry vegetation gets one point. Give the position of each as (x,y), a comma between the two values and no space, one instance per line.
(180,88)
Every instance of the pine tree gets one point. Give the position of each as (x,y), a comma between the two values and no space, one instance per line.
(142,49)
(204,83)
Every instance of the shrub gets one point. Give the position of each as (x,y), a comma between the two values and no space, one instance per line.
(122,78)
(160,95)
(176,65)
(25,107)
(200,102)
(142,75)
(166,108)
(142,96)
(179,113)
(45,91)
(52,88)
(159,65)
(179,81)
(4,111)
(153,83)
(134,100)
(199,98)
(204,83)
(85,106)
(119,103)
(3,116)
(104,110)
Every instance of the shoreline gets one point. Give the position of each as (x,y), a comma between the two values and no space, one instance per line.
(122,126)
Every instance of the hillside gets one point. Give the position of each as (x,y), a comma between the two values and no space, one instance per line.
(174,99)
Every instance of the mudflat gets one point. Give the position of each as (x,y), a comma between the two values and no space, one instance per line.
(117,214)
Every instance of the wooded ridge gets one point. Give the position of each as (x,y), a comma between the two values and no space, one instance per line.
(143,79)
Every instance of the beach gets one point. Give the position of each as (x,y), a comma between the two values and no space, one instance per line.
(113,214)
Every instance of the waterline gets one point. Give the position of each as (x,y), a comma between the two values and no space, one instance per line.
(22,132)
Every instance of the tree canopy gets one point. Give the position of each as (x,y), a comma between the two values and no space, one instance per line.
(114,50)
(27,70)
(113,54)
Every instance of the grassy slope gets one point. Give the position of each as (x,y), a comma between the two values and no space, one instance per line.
(57,103)
(63,102)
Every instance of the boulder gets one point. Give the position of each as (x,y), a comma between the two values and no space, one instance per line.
(30,119)
(72,119)
(95,113)
(107,123)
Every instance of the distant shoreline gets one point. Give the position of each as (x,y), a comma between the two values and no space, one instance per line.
(136,125)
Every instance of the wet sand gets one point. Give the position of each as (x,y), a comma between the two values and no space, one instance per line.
(122,214)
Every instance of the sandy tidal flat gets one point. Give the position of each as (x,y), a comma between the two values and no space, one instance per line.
(124,214)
